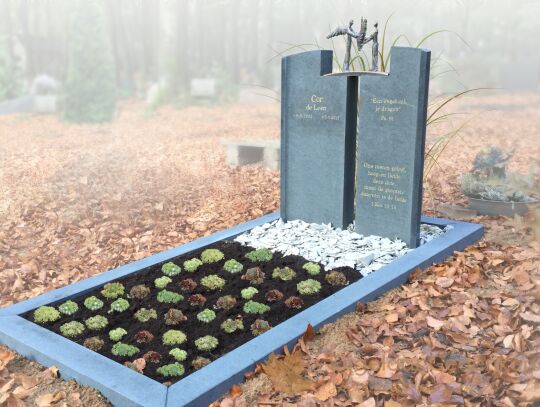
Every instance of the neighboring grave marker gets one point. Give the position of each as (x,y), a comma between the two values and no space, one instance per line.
(391,139)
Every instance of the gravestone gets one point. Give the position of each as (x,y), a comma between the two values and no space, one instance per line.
(392,128)
(318,138)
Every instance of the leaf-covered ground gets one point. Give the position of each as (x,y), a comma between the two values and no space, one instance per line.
(78,200)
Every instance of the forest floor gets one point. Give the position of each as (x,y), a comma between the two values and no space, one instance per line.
(78,200)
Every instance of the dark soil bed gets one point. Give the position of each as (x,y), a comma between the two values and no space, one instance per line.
(192,327)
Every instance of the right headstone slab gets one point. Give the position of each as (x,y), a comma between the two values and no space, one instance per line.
(391,139)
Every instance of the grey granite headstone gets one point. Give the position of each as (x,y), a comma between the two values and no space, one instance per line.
(392,128)
(318,137)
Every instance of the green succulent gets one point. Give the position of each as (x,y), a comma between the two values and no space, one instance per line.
(206,343)
(120,305)
(226,302)
(68,308)
(260,326)
(123,349)
(94,343)
(93,303)
(116,334)
(260,255)
(231,325)
(285,273)
(200,362)
(96,323)
(248,293)
(46,314)
(170,269)
(178,354)
(312,268)
(145,315)
(336,278)
(308,287)
(213,282)
(139,291)
(212,256)
(192,265)
(169,297)
(253,307)
(174,337)
(206,315)
(172,369)
(112,290)
(72,329)
(233,266)
(162,282)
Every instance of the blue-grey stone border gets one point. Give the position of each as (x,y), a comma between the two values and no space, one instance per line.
(123,387)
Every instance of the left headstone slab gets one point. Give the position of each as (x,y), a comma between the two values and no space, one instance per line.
(318,140)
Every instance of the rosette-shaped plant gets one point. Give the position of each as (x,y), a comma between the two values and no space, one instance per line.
(196,300)
(72,329)
(174,337)
(312,268)
(171,370)
(96,323)
(233,266)
(145,315)
(231,325)
(143,337)
(170,269)
(174,317)
(94,343)
(200,362)
(113,290)
(206,315)
(248,293)
(226,302)
(178,354)
(308,287)
(336,278)
(253,307)
(273,295)
(284,274)
(46,314)
(116,334)
(68,308)
(187,285)
(161,282)
(93,303)
(152,357)
(169,297)
(139,291)
(206,343)
(212,256)
(192,265)
(119,305)
(254,275)
(260,255)
(260,326)
(213,282)
(294,302)
(124,350)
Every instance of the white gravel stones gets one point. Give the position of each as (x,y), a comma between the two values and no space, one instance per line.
(332,247)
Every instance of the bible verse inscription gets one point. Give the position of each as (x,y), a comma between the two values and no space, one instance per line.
(383,190)
(387,109)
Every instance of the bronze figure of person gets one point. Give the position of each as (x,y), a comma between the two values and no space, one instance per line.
(374,48)
(350,33)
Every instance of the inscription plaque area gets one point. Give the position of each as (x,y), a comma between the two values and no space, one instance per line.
(318,140)
(392,130)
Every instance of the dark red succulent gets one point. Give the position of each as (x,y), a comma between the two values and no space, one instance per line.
(143,336)
(174,316)
(254,275)
(187,285)
(274,295)
(226,302)
(152,357)
(294,302)
(196,299)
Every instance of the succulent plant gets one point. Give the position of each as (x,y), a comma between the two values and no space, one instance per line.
(120,305)
(116,334)
(112,290)
(260,255)
(171,370)
(93,303)
(213,282)
(253,307)
(192,265)
(260,326)
(336,278)
(308,287)
(294,302)
(68,308)
(206,315)
(200,362)
(145,315)
(178,354)
(233,266)
(312,268)
(174,337)
(143,336)
(152,357)
(226,302)
(46,314)
(187,285)
(124,350)
(96,323)
(196,300)
(72,329)
(161,282)
(248,293)
(254,275)
(206,343)
(169,297)
(231,325)
(139,291)
(174,316)
(170,269)
(212,256)
(273,295)
(94,343)
(285,273)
